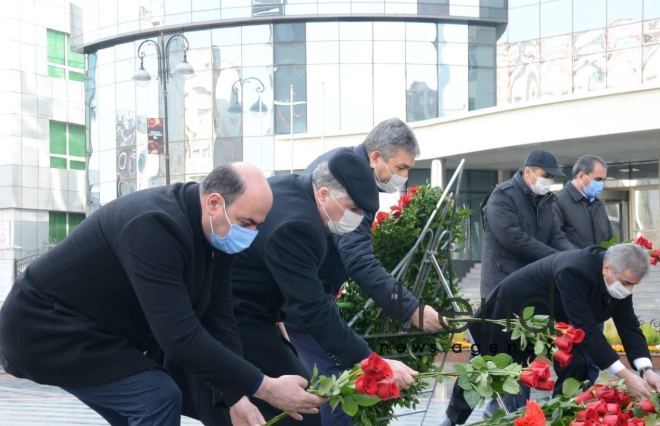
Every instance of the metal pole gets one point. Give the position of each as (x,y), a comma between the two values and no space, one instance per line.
(261,135)
(163,81)
(291,121)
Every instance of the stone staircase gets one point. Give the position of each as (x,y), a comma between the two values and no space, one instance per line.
(646,297)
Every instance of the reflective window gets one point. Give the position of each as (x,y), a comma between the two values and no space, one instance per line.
(389,52)
(452,53)
(421,52)
(556,17)
(421,31)
(421,92)
(355,52)
(651,64)
(589,42)
(389,30)
(556,77)
(559,47)
(589,14)
(589,73)
(482,35)
(323,52)
(623,11)
(433,7)
(290,78)
(453,89)
(651,31)
(323,98)
(452,33)
(356,96)
(481,86)
(256,34)
(230,36)
(624,36)
(355,30)
(624,68)
(524,23)
(389,91)
(481,56)
(651,9)
(524,82)
(322,31)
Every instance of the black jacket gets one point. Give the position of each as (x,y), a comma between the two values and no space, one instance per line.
(135,286)
(570,287)
(353,254)
(584,222)
(519,228)
(277,278)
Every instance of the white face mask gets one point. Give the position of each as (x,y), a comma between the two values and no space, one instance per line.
(618,290)
(348,222)
(542,185)
(396,183)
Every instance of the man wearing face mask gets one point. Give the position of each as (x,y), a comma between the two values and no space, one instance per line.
(518,220)
(582,288)
(581,215)
(132,312)
(280,276)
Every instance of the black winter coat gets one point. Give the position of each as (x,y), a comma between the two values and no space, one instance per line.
(136,286)
(584,222)
(519,228)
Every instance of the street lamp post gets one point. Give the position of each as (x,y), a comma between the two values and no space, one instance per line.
(142,78)
(290,103)
(258,107)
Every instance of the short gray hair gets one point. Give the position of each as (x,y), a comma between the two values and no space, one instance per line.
(587,164)
(321,176)
(389,137)
(628,256)
(225,181)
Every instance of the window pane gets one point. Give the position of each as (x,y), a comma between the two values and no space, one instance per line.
(74,220)
(556,18)
(289,53)
(422,92)
(588,15)
(74,59)
(57,163)
(55,47)
(76,141)
(289,32)
(623,11)
(55,72)
(56,227)
(76,76)
(76,165)
(57,138)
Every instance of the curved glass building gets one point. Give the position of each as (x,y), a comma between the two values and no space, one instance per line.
(266,73)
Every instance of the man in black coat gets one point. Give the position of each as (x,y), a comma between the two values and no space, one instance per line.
(581,215)
(518,220)
(278,277)
(583,288)
(132,313)
(389,150)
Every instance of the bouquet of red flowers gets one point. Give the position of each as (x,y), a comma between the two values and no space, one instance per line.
(567,337)
(608,405)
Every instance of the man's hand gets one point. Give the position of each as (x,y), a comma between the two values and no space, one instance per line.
(288,394)
(403,375)
(636,385)
(244,413)
(652,379)
(430,320)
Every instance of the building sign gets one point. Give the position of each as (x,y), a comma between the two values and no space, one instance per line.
(155,141)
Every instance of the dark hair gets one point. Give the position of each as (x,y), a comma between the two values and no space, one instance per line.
(587,164)
(225,181)
(390,136)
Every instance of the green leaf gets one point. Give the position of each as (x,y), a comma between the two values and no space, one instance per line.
(350,406)
(511,386)
(366,400)
(464,383)
(655,399)
(325,384)
(528,313)
(472,398)
(502,360)
(334,401)
(539,347)
(478,363)
(570,387)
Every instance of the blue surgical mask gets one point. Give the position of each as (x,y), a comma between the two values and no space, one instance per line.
(594,188)
(237,239)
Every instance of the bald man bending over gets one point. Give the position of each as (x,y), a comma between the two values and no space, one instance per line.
(132,313)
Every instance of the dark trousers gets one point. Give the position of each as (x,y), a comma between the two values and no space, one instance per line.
(264,346)
(149,397)
(458,410)
(312,354)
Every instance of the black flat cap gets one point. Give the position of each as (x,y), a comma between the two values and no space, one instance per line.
(355,175)
(545,160)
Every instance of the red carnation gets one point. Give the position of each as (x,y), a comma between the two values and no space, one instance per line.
(564,344)
(533,415)
(576,335)
(366,384)
(388,389)
(563,358)
(376,367)
(647,406)
(644,243)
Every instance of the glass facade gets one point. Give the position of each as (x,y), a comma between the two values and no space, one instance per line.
(253,83)
(562,47)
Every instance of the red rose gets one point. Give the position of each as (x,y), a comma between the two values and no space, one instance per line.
(396,211)
(529,378)
(584,397)
(542,368)
(366,384)
(587,415)
(576,335)
(644,243)
(376,367)
(613,419)
(404,201)
(599,406)
(562,327)
(533,415)
(412,190)
(624,399)
(562,358)
(381,217)
(545,384)
(388,389)
(647,406)
(608,394)
(613,408)
(564,344)
(654,260)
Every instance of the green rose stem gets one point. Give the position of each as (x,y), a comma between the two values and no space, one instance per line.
(276,419)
